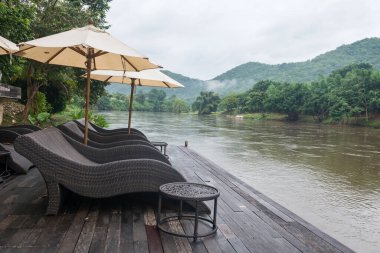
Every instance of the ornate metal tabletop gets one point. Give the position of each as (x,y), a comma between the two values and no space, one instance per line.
(189,191)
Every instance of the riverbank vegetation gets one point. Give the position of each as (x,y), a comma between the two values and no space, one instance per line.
(153,101)
(348,95)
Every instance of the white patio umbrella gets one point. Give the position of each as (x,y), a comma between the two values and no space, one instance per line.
(89,48)
(7,46)
(151,77)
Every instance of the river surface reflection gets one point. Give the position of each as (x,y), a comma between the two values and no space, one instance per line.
(328,175)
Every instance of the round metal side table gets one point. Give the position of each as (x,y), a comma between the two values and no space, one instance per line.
(184,191)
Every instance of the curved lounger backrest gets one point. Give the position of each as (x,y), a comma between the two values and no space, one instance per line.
(82,122)
(8,135)
(73,127)
(31,127)
(100,130)
(48,146)
(79,138)
(96,136)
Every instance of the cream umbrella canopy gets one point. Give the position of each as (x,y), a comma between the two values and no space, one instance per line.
(89,48)
(151,77)
(7,47)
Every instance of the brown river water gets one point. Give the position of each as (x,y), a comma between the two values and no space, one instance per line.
(328,175)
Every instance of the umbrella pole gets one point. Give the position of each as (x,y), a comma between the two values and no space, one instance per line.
(88,63)
(130,105)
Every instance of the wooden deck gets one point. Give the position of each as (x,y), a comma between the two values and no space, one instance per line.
(248,221)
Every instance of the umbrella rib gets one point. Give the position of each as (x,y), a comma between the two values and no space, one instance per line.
(79,51)
(55,55)
(5,50)
(167,85)
(100,53)
(25,49)
(125,59)
(108,78)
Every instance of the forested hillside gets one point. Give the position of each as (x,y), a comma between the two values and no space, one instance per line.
(243,77)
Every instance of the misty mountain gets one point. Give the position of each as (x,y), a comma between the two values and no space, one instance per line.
(192,87)
(243,77)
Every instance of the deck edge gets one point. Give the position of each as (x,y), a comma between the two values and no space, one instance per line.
(329,239)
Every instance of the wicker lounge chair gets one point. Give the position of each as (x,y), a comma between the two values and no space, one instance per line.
(95,128)
(95,136)
(74,131)
(79,137)
(31,127)
(130,149)
(87,171)
(16,162)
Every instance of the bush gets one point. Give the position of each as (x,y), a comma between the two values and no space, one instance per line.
(40,118)
(77,113)
(40,103)
(99,120)
(56,97)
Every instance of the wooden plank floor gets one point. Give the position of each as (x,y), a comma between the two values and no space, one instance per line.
(248,221)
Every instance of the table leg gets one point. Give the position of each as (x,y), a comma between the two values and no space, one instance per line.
(180,209)
(164,150)
(196,221)
(159,209)
(215,210)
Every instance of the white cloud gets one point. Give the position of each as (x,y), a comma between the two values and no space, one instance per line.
(204,38)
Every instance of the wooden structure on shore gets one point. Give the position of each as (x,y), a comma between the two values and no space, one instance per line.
(248,221)
(9,91)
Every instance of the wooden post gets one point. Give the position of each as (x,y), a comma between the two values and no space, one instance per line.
(88,63)
(130,105)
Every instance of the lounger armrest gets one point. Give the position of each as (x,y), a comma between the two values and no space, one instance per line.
(114,138)
(120,143)
(101,130)
(8,136)
(117,153)
(70,134)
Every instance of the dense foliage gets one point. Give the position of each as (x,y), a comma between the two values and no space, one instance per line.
(154,100)
(25,20)
(352,91)
(206,103)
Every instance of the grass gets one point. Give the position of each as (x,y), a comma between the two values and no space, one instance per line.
(263,116)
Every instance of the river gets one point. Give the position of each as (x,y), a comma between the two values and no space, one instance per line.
(328,175)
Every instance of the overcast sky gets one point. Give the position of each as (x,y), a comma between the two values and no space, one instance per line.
(204,38)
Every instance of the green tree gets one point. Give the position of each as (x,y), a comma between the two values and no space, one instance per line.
(206,103)
(354,90)
(254,99)
(140,97)
(287,98)
(229,103)
(180,106)
(24,20)
(15,20)
(156,97)
(318,103)
(104,103)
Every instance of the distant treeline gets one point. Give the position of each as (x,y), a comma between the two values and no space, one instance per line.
(353,91)
(153,101)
